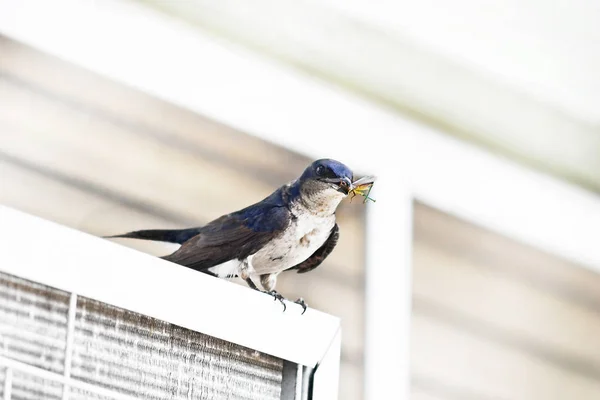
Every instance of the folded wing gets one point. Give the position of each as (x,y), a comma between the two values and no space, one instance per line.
(232,236)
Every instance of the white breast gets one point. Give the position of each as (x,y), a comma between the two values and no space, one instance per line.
(300,240)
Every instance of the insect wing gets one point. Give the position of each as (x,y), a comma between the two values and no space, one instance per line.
(365,180)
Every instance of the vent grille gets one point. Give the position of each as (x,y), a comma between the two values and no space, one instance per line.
(33,323)
(134,354)
(120,353)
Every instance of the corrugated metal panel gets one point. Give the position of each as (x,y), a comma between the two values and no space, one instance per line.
(27,387)
(33,323)
(142,356)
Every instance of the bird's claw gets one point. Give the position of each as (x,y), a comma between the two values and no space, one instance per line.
(277,296)
(302,304)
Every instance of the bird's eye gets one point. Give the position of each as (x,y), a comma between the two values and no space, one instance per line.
(320,170)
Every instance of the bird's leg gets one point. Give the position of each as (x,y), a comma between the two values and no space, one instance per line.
(245,274)
(268,281)
(252,284)
(302,304)
(277,296)
(274,293)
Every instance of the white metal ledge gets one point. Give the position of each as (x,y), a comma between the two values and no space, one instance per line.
(54,255)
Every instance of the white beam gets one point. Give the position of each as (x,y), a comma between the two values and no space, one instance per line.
(529,94)
(388,290)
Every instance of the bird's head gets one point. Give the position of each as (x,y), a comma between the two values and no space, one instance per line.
(326,183)
(328,175)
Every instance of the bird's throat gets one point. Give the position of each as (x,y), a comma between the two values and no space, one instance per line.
(321,203)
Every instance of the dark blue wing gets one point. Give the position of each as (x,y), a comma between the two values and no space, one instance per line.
(235,236)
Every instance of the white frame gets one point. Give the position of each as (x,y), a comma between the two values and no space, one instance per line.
(180,64)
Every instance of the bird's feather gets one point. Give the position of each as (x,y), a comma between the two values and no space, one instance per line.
(320,254)
(236,235)
(161,235)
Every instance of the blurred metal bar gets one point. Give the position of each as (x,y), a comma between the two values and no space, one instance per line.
(297,382)
(324,381)
(306,380)
(69,346)
(292,381)
(388,292)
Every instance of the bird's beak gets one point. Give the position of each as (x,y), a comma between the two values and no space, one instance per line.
(345,186)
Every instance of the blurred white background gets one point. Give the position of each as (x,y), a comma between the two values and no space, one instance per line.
(485,113)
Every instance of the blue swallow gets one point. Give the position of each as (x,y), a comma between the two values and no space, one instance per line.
(292,229)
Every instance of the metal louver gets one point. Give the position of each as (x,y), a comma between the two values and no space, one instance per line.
(117,354)
(33,323)
(138,355)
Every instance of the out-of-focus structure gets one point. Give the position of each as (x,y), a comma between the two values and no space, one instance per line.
(475,275)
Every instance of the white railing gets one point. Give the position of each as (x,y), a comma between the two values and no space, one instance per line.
(85,265)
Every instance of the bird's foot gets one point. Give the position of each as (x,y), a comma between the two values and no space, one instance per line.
(302,304)
(277,296)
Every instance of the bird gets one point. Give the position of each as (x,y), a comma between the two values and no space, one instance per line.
(292,229)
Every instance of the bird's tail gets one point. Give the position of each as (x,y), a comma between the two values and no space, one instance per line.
(161,235)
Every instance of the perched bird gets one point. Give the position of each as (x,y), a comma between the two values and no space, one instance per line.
(292,229)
